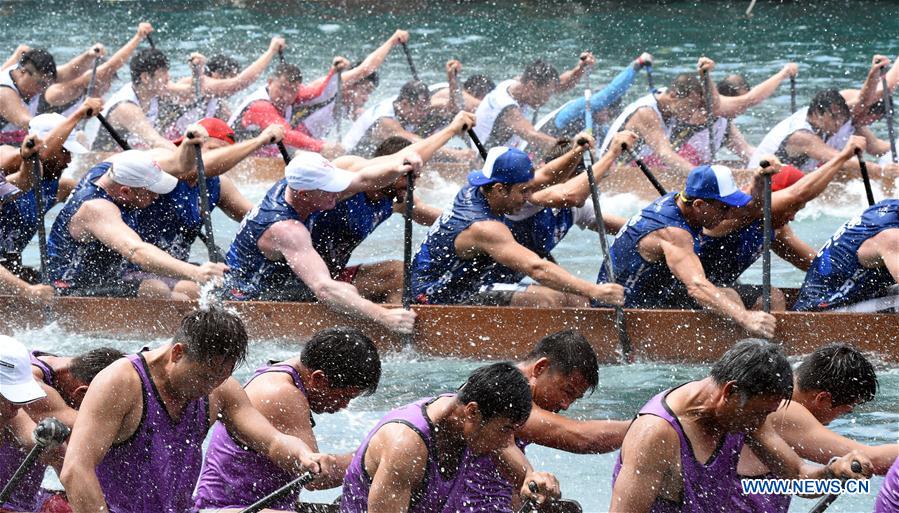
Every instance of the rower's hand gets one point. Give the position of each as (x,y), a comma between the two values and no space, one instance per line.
(340,64)
(760,324)
(209,271)
(195,134)
(39,294)
(772,168)
(277,44)
(855,142)
(583,141)
(609,293)
(453,67)
(644,60)
(412,162)
(20,51)
(842,468)
(97,51)
(144,29)
(90,108)
(705,64)
(332,150)
(197,61)
(272,134)
(547,487)
(399,320)
(890,171)
(324,466)
(879,61)
(586,60)
(790,69)
(624,137)
(31,145)
(463,122)
(399,37)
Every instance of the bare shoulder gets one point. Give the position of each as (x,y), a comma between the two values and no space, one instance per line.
(643,118)
(398,440)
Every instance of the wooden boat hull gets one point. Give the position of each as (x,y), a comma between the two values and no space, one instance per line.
(473,332)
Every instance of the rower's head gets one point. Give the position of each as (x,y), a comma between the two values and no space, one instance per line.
(733,85)
(342,364)
(563,146)
(828,111)
(413,104)
(356,95)
(314,183)
(539,81)
(833,380)
(504,179)
(495,401)
(17,385)
(560,369)
(150,71)
(686,99)
(390,146)
(222,66)
(284,84)
(35,73)
(751,379)
(210,343)
(73,380)
(135,180)
(710,195)
(41,125)
(220,134)
(478,86)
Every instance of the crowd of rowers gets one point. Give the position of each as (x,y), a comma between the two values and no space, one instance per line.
(127,226)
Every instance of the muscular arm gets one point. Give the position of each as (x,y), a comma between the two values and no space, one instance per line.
(733,106)
(376,174)
(51,406)
(649,456)
(423,213)
(777,455)
(803,142)
(396,459)
(790,247)
(738,144)
(12,109)
(646,124)
(130,117)
(786,202)
(574,192)
(224,87)
(263,114)
(234,204)
(371,63)
(516,122)
(882,250)
(577,436)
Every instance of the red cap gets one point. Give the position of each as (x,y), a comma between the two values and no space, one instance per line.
(787,176)
(216,128)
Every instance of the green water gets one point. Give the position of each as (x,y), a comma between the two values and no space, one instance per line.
(832,41)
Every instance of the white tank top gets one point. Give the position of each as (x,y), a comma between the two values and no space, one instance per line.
(650,101)
(490,109)
(31,105)
(363,123)
(192,115)
(126,95)
(700,140)
(320,116)
(773,140)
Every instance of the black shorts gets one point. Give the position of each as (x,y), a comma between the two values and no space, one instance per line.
(495,294)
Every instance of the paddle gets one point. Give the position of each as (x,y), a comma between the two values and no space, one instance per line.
(407,247)
(93,82)
(530,505)
(652,88)
(643,167)
(766,242)
(459,99)
(284,154)
(863,167)
(409,60)
(150,40)
(792,93)
(281,55)
(624,340)
(824,503)
(477,143)
(888,113)
(338,104)
(47,433)
(710,115)
(215,254)
(37,187)
(280,493)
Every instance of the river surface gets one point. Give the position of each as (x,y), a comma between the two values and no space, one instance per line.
(832,41)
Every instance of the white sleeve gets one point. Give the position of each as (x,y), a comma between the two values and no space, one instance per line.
(584,216)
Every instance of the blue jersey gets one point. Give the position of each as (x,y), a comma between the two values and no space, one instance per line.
(648,284)
(77,264)
(19,218)
(836,278)
(336,233)
(252,274)
(439,276)
(725,258)
(543,231)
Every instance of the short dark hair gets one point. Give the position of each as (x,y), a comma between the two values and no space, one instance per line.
(758,367)
(500,390)
(212,332)
(841,370)
(562,146)
(147,60)
(732,85)
(42,61)
(288,72)
(540,73)
(478,86)
(347,357)
(414,91)
(86,366)
(825,101)
(686,85)
(371,77)
(223,65)
(568,352)
(391,145)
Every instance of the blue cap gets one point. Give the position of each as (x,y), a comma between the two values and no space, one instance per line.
(715,183)
(503,165)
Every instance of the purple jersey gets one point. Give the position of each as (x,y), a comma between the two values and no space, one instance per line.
(760,502)
(888,496)
(155,470)
(708,487)
(486,488)
(235,476)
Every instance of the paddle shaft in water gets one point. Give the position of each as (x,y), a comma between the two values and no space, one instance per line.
(643,167)
(792,94)
(766,242)
(36,181)
(280,493)
(710,114)
(825,503)
(409,60)
(215,255)
(888,113)
(863,167)
(407,246)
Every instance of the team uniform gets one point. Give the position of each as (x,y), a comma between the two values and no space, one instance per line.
(727,257)
(314,107)
(19,220)
(105,142)
(358,139)
(256,112)
(489,111)
(775,141)
(9,132)
(888,496)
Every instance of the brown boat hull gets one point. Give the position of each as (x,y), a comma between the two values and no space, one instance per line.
(475,332)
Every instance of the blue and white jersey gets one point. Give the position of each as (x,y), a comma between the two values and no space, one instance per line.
(648,284)
(836,277)
(336,233)
(19,218)
(542,231)
(439,275)
(725,258)
(252,274)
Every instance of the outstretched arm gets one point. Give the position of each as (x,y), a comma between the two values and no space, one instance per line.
(870,91)
(224,87)
(570,78)
(373,61)
(733,106)
(577,436)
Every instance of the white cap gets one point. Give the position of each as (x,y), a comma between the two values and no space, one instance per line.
(310,171)
(136,168)
(41,125)
(17,384)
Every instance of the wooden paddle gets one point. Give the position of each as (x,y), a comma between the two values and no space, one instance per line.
(863,167)
(215,254)
(710,114)
(888,113)
(48,433)
(766,241)
(409,60)
(280,55)
(150,40)
(825,503)
(37,187)
(407,247)
(280,493)
(643,167)
(624,340)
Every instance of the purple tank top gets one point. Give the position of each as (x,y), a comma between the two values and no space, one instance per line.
(486,488)
(155,470)
(436,489)
(708,488)
(888,496)
(49,374)
(235,476)
(759,503)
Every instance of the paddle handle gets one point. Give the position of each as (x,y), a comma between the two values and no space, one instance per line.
(409,60)
(214,254)
(863,167)
(652,87)
(37,186)
(477,143)
(150,40)
(766,245)
(825,502)
(261,504)
(280,55)
(710,114)
(407,240)
(47,433)
(113,133)
(643,167)
(338,104)
(284,154)
(888,113)
(792,94)
(530,505)
(93,83)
